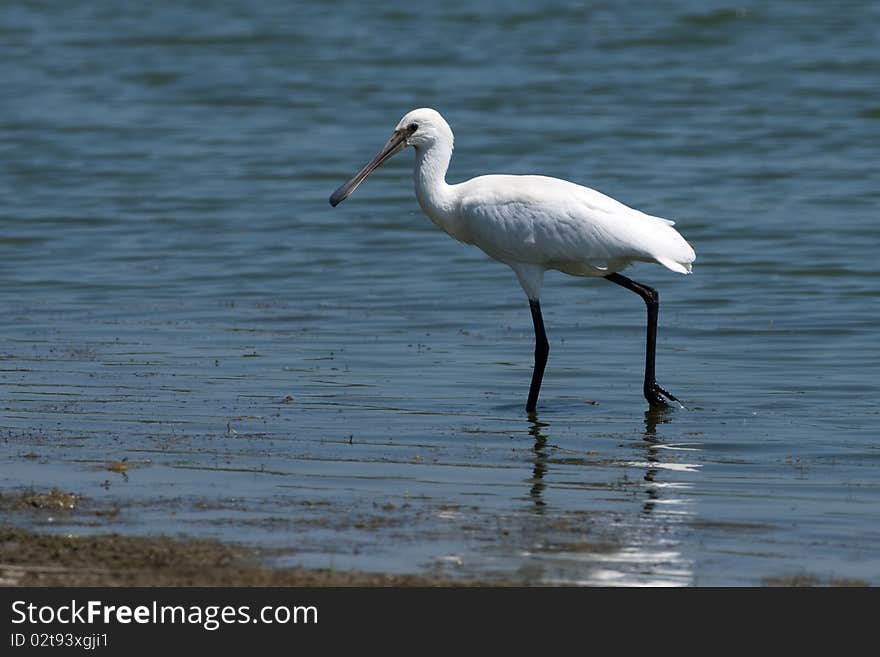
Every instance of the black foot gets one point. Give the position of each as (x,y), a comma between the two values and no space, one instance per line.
(655,395)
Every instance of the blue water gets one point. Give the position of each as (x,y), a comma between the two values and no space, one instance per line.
(347,385)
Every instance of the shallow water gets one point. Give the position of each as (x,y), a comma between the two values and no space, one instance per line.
(347,384)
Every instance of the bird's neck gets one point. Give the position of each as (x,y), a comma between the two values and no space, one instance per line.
(433,193)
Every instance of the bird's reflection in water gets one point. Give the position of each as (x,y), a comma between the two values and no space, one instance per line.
(653,417)
(601,524)
(651,444)
(539,468)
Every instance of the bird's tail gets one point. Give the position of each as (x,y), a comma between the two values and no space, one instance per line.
(677,254)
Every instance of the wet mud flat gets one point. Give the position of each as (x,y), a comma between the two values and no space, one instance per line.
(32,559)
(60,538)
(29,558)
(79,557)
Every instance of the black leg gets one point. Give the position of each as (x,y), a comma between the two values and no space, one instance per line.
(653,392)
(542,350)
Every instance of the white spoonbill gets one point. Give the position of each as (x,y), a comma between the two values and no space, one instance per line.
(536,223)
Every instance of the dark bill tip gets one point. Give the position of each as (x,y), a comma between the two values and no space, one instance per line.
(339,195)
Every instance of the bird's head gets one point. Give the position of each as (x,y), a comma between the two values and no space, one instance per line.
(424,126)
(420,128)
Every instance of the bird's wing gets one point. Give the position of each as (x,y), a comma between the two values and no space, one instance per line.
(554,223)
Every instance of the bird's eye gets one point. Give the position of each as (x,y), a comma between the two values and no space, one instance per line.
(412,127)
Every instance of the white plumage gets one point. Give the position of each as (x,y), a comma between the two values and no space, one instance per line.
(534,223)
(547,223)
